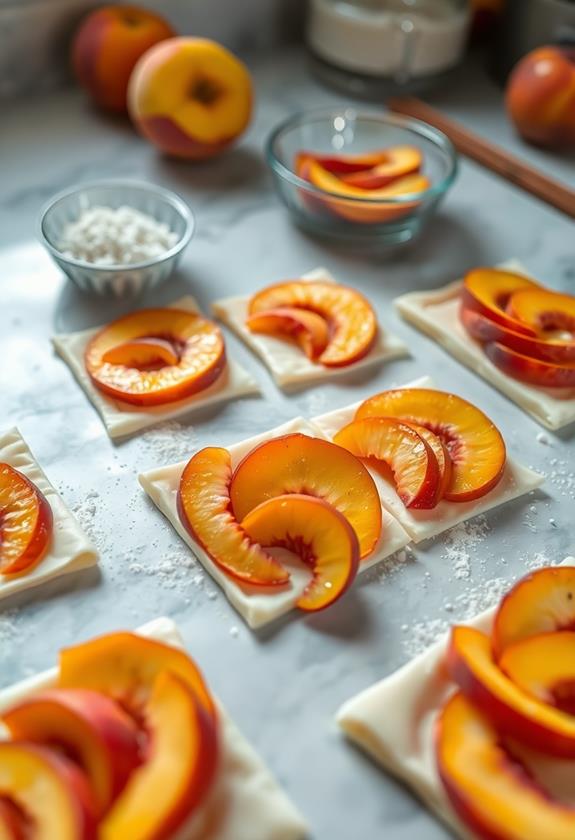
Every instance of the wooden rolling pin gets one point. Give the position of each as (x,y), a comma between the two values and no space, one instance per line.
(492,157)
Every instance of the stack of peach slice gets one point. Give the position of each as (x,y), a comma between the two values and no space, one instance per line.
(384,174)
(526,330)
(503,739)
(155,356)
(26,522)
(436,445)
(296,492)
(333,324)
(124,746)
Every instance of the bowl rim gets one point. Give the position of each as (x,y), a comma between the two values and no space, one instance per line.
(418,127)
(171,197)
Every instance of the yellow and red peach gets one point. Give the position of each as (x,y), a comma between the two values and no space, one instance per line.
(26,522)
(401,161)
(543,666)
(308,329)
(488,290)
(529,370)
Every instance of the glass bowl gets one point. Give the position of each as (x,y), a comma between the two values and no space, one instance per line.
(365,219)
(163,205)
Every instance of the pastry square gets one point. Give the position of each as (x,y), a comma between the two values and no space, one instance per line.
(394,722)
(256,606)
(424,524)
(70,549)
(121,419)
(286,362)
(246,803)
(436,313)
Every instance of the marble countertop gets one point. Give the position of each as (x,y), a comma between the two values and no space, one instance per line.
(282,686)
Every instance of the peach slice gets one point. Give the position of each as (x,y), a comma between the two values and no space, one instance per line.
(441,453)
(343,164)
(545,349)
(307,328)
(402,160)
(510,709)
(124,666)
(541,602)
(315,531)
(351,319)
(49,791)
(178,769)
(297,463)
(198,342)
(84,724)
(532,371)
(204,510)
(488,291)
(12,822)
(489,789)
(543,666)
(543,310)
(26,522)
(410,458)
(142,353)
(475,445)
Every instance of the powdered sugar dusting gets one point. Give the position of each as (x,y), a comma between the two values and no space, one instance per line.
(169,443)
(459,544)
(174,566)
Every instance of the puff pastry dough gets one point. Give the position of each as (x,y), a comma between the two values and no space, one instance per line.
(69,550)
(436,314)
(121,419)
(286,362)
(246,803)
(256,605)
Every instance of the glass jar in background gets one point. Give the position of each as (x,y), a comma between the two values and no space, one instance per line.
(374,48)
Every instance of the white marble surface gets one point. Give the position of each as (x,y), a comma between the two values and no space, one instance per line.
(284,686)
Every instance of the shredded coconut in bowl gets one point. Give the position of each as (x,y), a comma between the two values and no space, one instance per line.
(123,236)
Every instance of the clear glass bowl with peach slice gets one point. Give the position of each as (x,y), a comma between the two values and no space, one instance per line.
(360,177)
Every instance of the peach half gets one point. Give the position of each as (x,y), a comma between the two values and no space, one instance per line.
(308,329)
(511,710)
(87,725)
(297,463)
(196,342)
(204,509)
(315,531)
(411,459)
(190,97)
(26,522)
(488,291)
(350,317)
(475,445)
(489,789)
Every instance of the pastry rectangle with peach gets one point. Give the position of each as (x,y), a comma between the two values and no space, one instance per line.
(137,374)
(309,330)
(39,537)
(437,460)
(230,506)
(510,330)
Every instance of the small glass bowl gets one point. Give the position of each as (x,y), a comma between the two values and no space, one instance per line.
(358,220)
(119,280)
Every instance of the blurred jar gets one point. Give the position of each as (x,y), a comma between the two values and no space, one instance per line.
(377,47)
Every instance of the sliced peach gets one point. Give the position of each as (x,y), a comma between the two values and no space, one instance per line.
(344,163)
(475,445)
(307,328)
(351,319)
(545,349)
(124,666)
(411,459)
(543,310)
(402,160)
(544,667)
(86,725)
(510,709)
(142,353)
(298,463)
(26,522)
(440,451)
(49,791)
(490,790)
(541,602)
(12,821)
(532,371)
(198,342)
(178,769)
(315,531)
(204,508)
(488,291)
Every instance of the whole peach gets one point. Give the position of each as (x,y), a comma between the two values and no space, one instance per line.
(190,97)
(540,96)
(107,46)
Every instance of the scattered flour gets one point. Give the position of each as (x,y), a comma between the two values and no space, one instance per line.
(169,443)
(562,476)
(172,570)
(85,512)
(459,542)
(9,629)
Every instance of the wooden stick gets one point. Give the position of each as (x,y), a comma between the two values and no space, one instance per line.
(492,157)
